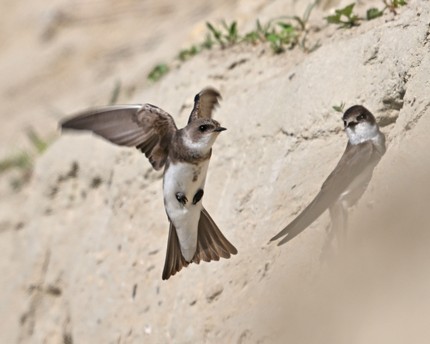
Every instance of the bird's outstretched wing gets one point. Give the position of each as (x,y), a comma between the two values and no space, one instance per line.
(146,127)
(204,103)
(354,161)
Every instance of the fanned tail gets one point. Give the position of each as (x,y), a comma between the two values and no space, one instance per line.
(211,245)
(174,261)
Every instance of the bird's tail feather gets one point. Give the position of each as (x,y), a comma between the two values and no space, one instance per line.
(211,245)
(174,260)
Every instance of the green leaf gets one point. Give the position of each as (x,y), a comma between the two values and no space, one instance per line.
(285,26)
(115,92)
(186,54)
(333,19)
(301,22)
(398,3)
(20,161)
(216,33)
(233,29)
(158,72)
(373,13)
(273,37)
(339,108)
(346,11)
(258,26)
(307,13)
(208,42)
(37,141)
(344,17)
(252,37)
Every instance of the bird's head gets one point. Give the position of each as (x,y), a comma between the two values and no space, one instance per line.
(360,125)
(201,134)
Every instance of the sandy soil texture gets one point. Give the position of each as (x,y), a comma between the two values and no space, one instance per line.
(83,241)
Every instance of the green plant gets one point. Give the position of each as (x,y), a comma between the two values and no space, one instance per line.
(38,143)
(259,34)
(227,35)
(305,18)
(280,33)
(303,30)
(373,13)
(158,72)
(392,5)
(284,34)
(21,161)
(186,54)
(231,36)
(217,34)
(251,37)
(208,42)
(344,17)
(24,161)
(339,108)
(115,93)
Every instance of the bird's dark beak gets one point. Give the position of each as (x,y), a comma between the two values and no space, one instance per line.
(219,129)
(351,124)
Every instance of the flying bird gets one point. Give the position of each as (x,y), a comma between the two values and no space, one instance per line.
(348,181)
(184,154)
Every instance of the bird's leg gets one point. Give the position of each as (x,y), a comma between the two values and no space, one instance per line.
(198,196)
(180,196)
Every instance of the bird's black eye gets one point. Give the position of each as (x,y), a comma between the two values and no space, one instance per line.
(361,117)
(203,128)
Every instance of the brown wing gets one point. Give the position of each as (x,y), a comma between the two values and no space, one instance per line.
(354,161)
(204,103)
(352,164)
(146,127)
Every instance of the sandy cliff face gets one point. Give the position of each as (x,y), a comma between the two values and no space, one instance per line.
(83,244)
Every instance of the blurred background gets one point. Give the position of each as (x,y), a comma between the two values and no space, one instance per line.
(82,224)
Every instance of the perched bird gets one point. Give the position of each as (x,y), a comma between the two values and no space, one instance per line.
(348,181)
(185,154)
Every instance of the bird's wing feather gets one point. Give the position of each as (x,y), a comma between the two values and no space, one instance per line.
(354,160)
(146,127)
(204,104)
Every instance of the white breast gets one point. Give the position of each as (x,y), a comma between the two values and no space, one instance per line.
(362,132)
(188,179)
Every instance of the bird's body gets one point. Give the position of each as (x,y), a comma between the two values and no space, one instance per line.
(349,179)
(188,179)
(184,154)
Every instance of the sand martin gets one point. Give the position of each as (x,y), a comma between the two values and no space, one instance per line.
(184,154)
(348,181)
